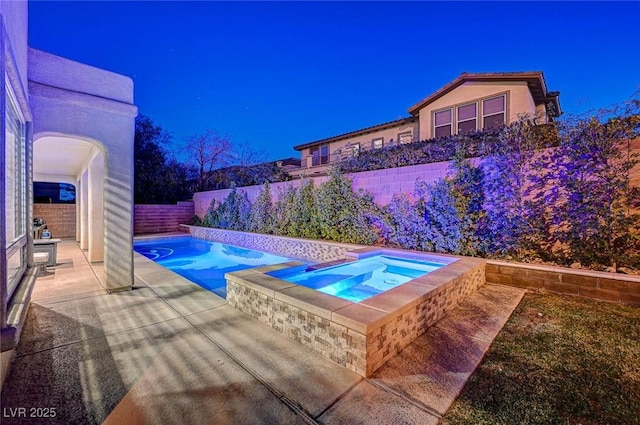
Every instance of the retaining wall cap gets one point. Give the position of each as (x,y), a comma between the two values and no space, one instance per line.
(567,270)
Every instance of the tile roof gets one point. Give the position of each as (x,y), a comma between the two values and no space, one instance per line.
(534,79)
(366,130)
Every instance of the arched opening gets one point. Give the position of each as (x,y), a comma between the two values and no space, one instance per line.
(67,159)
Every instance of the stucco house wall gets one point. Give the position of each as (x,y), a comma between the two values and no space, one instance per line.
(525,95)
(519,102)
(71,101)
(343,145)
(62,102)
(13,78)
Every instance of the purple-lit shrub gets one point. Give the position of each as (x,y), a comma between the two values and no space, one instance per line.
(403,225)
(452,209)
(593,219)
(508,225)
(233,213)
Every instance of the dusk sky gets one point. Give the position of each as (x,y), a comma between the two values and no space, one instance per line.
(280,74)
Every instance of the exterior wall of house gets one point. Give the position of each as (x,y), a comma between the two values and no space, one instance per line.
(14,15)
(74,101)
(519,101)
(17,278)
(344,147)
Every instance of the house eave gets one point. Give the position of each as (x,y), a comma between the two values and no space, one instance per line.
(355,133)
(534,79)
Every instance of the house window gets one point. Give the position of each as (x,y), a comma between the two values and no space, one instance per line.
(494,112)
(320,155)
(15,193)
(467,117)
(405,137)
(355,149)
(378,143)
(442,123)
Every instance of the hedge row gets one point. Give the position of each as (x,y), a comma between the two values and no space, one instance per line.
(572,203)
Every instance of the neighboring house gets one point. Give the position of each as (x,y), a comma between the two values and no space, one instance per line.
(62,122)
(470,102)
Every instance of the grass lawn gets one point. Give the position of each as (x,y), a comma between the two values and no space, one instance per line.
(558,360)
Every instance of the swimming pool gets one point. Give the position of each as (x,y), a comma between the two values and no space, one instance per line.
(204,262)
(362,279)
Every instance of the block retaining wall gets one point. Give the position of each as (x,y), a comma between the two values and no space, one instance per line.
(161,218)
(612,287)
(381,184)
(60,218)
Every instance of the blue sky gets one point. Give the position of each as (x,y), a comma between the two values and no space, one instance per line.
(280,74)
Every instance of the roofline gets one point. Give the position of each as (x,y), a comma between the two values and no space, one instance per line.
(366,130)
(483,76)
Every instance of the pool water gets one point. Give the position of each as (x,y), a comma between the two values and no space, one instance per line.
(356,281)
(204,262)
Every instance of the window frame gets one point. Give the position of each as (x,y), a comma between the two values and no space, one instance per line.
(373,143)
(16,243)
(450,124)
(356,149)
(475,117)
(504,109)
(480,116)
(320,158)
(403,134)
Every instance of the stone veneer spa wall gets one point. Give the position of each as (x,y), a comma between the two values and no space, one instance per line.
(359,336)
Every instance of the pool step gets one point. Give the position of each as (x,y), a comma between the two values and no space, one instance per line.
(345,284)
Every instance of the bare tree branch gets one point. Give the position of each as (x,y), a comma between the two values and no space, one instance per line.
(210,150)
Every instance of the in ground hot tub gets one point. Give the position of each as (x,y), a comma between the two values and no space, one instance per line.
(362,312)
(364,278)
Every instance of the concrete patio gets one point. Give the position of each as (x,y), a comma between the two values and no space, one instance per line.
(171,352)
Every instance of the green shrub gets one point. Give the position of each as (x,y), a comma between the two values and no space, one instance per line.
(262,219)
(283,212)
(210,218)
(304,215)
(233,213)
(339,212)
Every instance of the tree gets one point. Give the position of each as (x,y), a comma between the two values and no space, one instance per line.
(159,178)
(209,151)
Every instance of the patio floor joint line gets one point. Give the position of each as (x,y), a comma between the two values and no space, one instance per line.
(289,402)
(409,400)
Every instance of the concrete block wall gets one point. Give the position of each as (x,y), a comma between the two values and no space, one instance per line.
(382,184)
(60,218)
(612,287)
(161,218)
